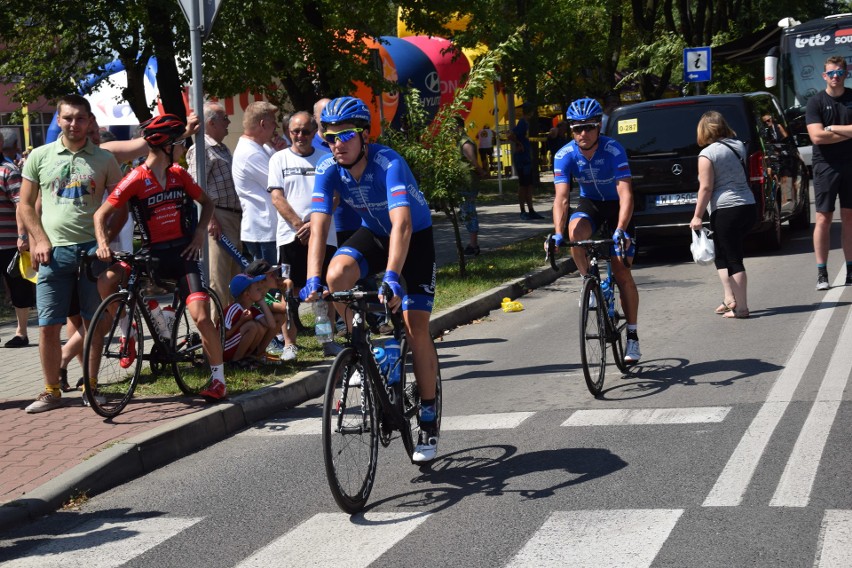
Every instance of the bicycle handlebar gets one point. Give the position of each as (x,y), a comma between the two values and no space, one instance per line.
(356,294)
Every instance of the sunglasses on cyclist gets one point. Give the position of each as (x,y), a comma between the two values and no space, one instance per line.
(342,135)
(302,131)
(835,73)
(578,128)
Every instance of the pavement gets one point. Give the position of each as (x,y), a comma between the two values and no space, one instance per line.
(49,459)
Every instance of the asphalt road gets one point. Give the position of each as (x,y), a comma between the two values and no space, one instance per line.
(727,446)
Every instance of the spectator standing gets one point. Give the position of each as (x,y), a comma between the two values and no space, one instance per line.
(485,140)
(828,115)
(251,172)
(557,137)
(467,209)
(227,213)
(522,160)
(70,175)
(13,236)
(723,189)
(292,172)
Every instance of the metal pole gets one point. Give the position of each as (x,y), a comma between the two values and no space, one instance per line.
(198,105)
(497,142)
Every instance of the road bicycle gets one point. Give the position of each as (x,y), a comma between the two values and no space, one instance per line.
(361,409)
(601,320)
(121,314)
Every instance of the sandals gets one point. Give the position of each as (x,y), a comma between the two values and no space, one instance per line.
(726,307)
(737,314)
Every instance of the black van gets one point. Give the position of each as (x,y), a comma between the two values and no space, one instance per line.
(660,139)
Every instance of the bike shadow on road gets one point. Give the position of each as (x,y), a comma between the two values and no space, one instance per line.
(654,376)
(499,469)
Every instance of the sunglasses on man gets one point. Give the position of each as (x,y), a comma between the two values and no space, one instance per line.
(579,128)
(835,73)
(341,135)
(302,131)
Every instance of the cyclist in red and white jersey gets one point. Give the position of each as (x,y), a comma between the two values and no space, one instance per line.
(161,196)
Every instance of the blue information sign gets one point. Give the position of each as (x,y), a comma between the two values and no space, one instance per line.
(696,64)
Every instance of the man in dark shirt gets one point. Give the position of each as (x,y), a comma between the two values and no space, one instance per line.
(829,119)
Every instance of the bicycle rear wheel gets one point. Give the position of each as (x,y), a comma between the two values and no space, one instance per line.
(115,361)
(411,400)
(616,332)
(593,336)
(350,432)
(189,365)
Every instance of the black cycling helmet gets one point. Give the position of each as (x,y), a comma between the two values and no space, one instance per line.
(584,110)
(346,109)
(163,130)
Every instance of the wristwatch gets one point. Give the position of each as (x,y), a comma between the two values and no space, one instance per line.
(22,237)
(828,128)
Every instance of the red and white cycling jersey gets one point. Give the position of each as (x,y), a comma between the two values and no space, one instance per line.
(162,215)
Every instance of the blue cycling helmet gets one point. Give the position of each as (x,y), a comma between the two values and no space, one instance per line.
(584,110)
(346,109)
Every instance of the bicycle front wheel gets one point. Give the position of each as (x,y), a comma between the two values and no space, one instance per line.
(189,365)
(593,335)
(112,353)
(350,432)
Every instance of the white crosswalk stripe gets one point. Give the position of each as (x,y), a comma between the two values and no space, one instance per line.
(647,416)
(368,536)
(627,538)
(102,543)
(835,536)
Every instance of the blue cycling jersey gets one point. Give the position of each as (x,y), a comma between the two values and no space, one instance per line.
(597,177)
(387,183)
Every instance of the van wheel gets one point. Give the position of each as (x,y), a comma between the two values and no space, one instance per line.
(802,219)
(772,237)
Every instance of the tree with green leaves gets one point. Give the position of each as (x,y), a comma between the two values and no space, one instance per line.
(431,148)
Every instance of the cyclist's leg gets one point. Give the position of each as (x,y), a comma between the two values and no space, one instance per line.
(581,226)
(362,256)
(192,290)
(629,293)
(423,351)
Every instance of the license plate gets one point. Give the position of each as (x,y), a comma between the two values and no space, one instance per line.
(676,199)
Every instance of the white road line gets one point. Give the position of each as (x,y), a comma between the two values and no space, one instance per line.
(797,481)
(647,416)
(732,483)
(627,538)
(835,536)
(102,543)
(287,427)
(484,421)
(357,541)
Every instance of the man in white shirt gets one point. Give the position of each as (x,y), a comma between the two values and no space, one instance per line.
(291,183)
(251,170)
(486,145)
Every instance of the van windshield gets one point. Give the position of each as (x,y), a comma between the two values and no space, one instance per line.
(669,130)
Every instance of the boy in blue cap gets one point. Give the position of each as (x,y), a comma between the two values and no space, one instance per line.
(249,325)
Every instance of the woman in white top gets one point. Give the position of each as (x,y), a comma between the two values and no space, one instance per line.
(723,190)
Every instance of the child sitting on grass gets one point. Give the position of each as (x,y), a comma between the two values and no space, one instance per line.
(249,323)
(273,281)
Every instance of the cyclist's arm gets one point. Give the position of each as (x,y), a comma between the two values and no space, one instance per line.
(624,187)
(561,208)
(102,215)
(320,223)
(400,237)
(197,243)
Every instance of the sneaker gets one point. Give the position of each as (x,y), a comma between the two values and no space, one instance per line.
(593,302)
(427,446)
(45,401)
(100,399)
(471,250)
(275,348)
(63,380)
(289,353)
(355,379)
(331,349)
(215,390)
(822,281)
(632,353)
(535,215)
(17,341)
(125,362)
(525,216)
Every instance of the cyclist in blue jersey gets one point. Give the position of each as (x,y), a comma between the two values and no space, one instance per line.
(395,237)
(599,165)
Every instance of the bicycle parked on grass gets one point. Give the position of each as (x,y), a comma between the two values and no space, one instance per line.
(364,406)
(598,326)
(120,315)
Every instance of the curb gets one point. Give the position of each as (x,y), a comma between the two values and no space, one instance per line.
(182,436)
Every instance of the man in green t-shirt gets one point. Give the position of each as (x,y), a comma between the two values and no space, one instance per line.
(70,176)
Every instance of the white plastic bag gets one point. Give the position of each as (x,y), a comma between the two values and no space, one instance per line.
(702,248)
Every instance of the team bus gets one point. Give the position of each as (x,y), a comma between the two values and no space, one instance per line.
(796,66)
